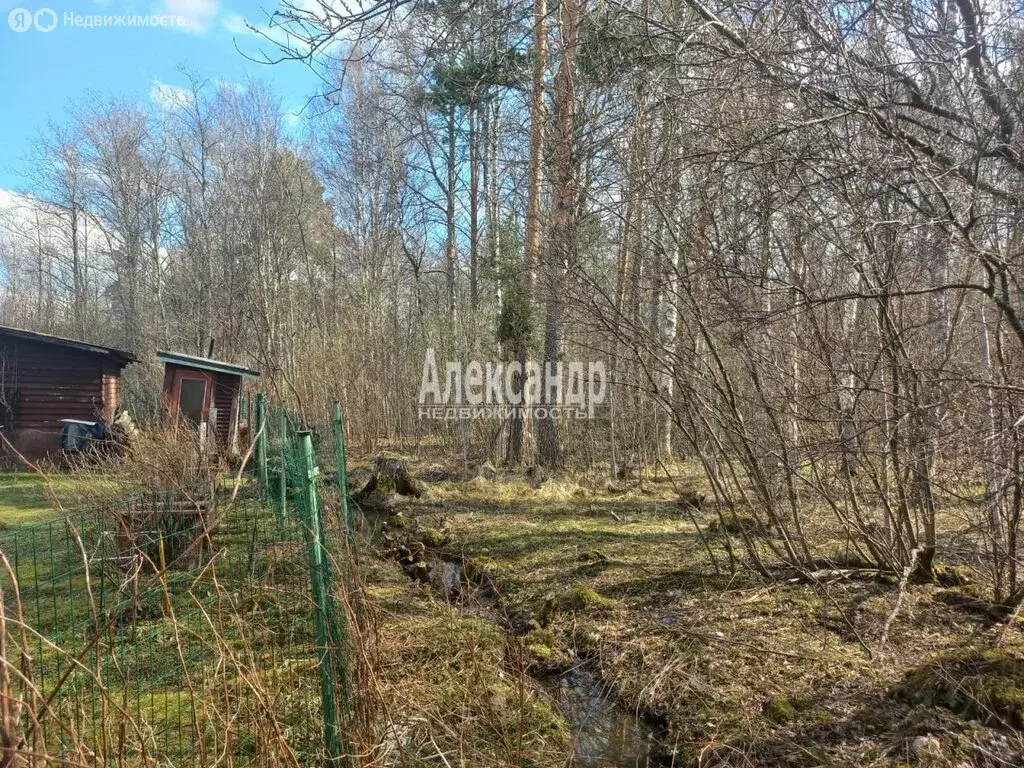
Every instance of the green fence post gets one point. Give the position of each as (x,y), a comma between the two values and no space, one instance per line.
(339,450)
(353,551)
(261,441)
(317,567)
(282,490)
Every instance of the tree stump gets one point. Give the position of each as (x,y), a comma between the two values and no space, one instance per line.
(390,476)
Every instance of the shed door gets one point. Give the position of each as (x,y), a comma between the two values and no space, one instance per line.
(192,399)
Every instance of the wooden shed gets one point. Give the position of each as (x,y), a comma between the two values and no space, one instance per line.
(45,379)
(196,386)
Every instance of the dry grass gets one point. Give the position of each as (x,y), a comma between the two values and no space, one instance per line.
(453,686)
(152,461)
(747,671)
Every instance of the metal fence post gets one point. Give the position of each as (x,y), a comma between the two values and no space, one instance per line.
(319,583)
(339,450)
(348,520)
(282,488)
(261,440)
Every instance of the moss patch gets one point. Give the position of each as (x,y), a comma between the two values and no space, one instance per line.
(431,537)
(542,649)
(585,599)
(736,524)
(780,710)
(987,685)
(480,568)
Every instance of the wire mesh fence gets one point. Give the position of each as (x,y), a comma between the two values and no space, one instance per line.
(187,627)
(289,473)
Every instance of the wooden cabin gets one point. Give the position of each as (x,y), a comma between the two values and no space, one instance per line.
(46,379)
(204,393)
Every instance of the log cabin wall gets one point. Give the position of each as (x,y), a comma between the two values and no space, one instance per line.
(225,399)
(44,380)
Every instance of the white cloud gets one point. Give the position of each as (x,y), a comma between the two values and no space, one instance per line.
(193,15)
(14,201)
(168,97)
(235,24)
(312,13)
(27,222)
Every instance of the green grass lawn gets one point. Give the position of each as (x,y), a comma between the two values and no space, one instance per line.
(174,649)
(23,499)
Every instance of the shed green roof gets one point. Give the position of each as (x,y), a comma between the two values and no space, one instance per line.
(205,364)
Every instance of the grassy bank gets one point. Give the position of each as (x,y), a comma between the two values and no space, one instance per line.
(450,687)
(746,670)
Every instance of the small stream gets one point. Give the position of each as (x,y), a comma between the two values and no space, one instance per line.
(605,734)
(447,579)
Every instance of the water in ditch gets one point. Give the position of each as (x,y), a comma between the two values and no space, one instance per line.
(604,733)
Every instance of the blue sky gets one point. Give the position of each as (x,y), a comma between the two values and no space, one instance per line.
(43,73)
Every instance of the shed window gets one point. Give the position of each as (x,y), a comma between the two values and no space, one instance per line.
(191,399)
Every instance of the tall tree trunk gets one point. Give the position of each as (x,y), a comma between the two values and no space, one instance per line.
(492,203)
(474,205)
(670,305)
(531,252)
(449,250)
(560,254)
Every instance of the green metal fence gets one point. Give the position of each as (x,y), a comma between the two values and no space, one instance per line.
(289,474)
(179,629)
